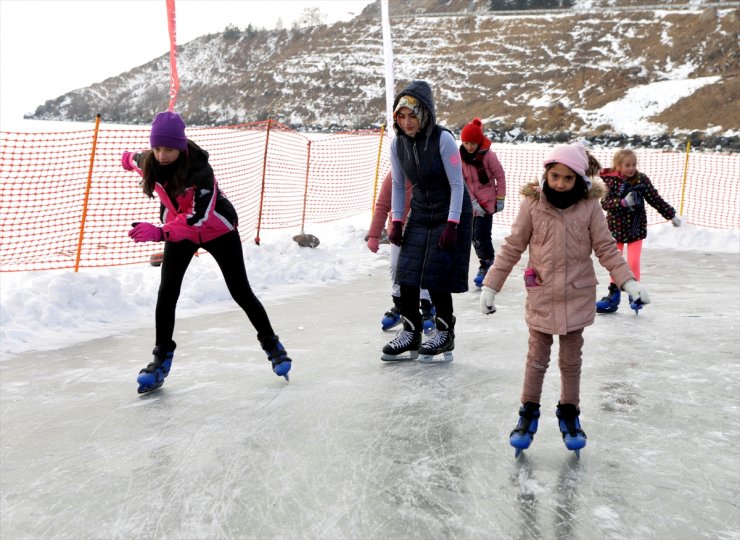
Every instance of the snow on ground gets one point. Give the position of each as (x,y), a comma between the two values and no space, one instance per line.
(48,309)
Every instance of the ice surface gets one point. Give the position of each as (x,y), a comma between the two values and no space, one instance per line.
(358,448)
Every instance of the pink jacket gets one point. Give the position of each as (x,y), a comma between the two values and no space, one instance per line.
(560,243)
(383,207)
(486,194)
(202,212)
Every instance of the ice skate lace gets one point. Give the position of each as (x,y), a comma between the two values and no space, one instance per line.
(403,339)
(439,339)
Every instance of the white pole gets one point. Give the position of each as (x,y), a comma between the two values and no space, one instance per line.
(388,55)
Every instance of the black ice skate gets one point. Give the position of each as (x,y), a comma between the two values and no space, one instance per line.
(443,342)
(405,346)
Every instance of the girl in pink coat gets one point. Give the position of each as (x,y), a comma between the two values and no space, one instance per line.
(561,223)
(195,214)
(486,182)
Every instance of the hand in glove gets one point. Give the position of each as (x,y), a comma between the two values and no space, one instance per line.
(632,199)
(126,160)
(396,233)
(448,238)
(487,295)
(636,290)
(478,210)
(499,205)
(146,232)
(676,221)
(373,244)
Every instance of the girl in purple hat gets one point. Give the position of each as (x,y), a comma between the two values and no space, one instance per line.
(195,214)
(560,222)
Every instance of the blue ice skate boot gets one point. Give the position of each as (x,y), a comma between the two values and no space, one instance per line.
(277,355)
(405,346)
(610,303)
(427,316)
(636,305)
(153,376)
(482,271)
(522,435)
(392,317)
(570,426)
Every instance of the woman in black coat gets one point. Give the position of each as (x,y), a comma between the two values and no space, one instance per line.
(435,243)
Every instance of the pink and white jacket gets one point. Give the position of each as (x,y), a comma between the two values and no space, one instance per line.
(199,214)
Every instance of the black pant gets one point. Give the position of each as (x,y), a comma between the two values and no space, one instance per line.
(227,251)
(442,301)
(482,241)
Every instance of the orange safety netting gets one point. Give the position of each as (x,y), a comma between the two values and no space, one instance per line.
(66,202)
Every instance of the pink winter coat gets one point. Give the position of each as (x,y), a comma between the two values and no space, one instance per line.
(486,194)
(560,243)
(383,207)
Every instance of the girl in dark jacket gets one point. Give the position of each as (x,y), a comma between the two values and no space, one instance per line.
(627,192)
(195,214)
(435,243)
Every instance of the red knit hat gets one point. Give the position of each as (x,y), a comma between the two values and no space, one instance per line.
(473,132)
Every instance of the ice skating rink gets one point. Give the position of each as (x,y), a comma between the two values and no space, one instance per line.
(355,448)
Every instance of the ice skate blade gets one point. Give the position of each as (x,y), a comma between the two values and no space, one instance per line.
(435,359)
(411,355)
(147,389)
(518,452)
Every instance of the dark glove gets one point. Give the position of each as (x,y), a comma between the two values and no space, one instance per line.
(396,233)
(448,239)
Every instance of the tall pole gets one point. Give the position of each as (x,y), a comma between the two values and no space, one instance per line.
(388,56)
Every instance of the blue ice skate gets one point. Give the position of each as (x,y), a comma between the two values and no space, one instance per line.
(610,303)
(570,426)
(153,376)
(392,317)
(277,355)
(482,271)
(521,437)
(636,305)
(427,317)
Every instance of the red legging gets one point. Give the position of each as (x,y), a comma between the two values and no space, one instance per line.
(634,251)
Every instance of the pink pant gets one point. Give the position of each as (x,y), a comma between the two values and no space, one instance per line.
(569,361)
(634,251)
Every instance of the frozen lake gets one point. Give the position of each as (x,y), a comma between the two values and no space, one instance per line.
(355,448)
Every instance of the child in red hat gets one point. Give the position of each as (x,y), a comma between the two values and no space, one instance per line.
(486,182)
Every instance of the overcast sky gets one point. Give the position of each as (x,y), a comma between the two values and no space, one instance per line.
(48,48)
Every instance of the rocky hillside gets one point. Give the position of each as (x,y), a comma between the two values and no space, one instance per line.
(535,75)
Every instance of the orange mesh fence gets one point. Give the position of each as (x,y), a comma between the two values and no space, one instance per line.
(276,178)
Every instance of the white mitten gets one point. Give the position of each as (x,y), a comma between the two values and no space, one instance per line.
(676,221)
(478,209)
(487,295)
(636,290)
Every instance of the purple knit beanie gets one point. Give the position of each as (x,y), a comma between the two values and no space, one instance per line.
(168,130)
(572,156)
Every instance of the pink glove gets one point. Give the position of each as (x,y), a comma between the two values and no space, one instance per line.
(448,238)
(373,244)
(146,232)
(126,161)
(396,233)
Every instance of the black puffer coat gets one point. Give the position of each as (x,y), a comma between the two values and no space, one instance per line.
(422,263)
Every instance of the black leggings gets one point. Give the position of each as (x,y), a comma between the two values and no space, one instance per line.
(227,251)
(442,301)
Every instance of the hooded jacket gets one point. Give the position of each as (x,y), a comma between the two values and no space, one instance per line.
(560,243)
(430,160)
